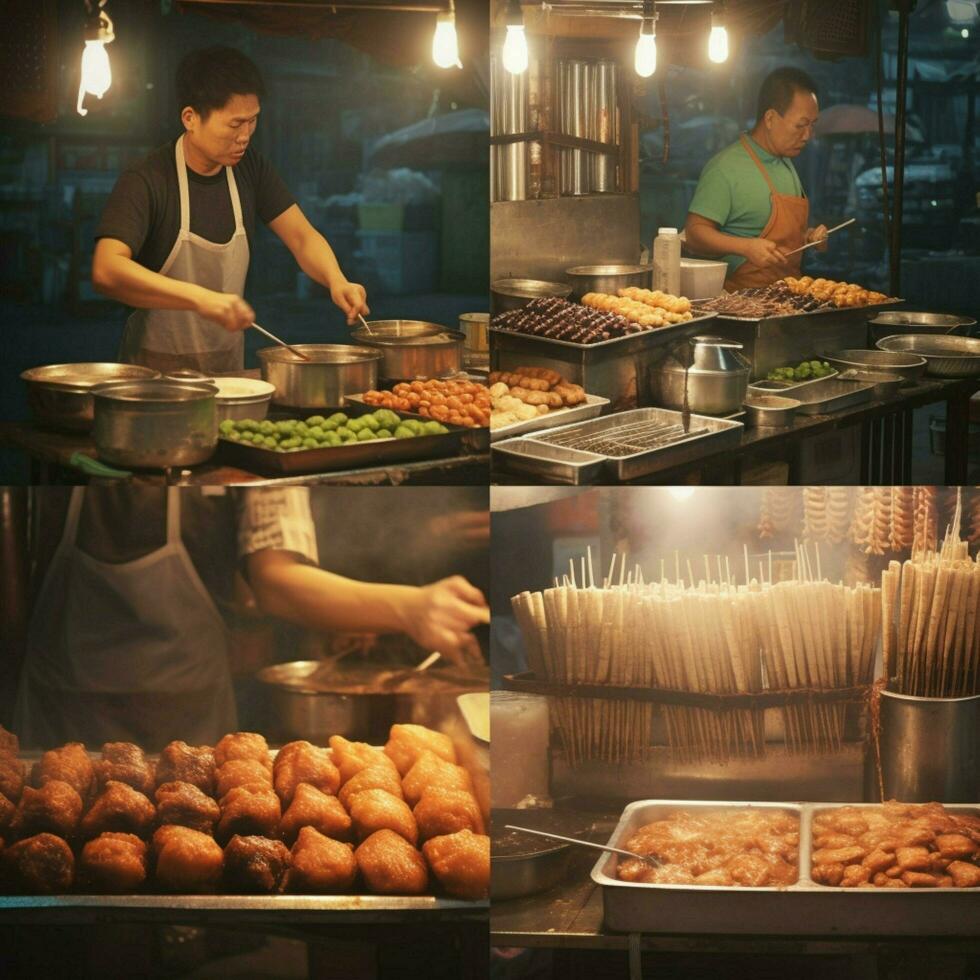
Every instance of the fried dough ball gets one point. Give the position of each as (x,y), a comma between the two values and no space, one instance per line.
(964,875)
(320,865)
(255,865)
(248,810)
(40,865)
(375,809)
(461,863)
(407,742)
(55,808)
(312,807)
(7,811)
(304,763)
(183,763)
(373,777)
(126,763)
(447,811)
(11,777)
(391,866)
(241,772)
(243,745)
(119,809)
(68,764)
(187,860)
(113,864)
(9,742)
(184,805)
(431,771)
(351,757)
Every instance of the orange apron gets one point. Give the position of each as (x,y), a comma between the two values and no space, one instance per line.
(787,226)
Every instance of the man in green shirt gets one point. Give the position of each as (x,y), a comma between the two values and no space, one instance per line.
(749,207)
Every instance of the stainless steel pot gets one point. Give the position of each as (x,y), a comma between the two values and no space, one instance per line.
(896,322)
(607,278)
(770,411)
(717,379)
(413,349)
(60,395)
(155,424)
(541,867)
(513,294)
(243,398)
(333,372)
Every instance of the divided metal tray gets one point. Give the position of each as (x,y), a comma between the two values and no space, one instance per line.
(589,409)
(804,908)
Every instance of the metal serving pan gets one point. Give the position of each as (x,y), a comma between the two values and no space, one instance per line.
(826,311)
(946,357)
(909,367)
(804,908)
(477,438)
(885,384)
(589,409)
(552,464)
(788,389)
(826,395)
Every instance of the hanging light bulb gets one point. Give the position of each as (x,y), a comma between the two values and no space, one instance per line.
(445,44)
(718,38)
(96,75)
(515,44)
(645,60)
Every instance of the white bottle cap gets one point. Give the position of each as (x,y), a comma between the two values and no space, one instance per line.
(666,231)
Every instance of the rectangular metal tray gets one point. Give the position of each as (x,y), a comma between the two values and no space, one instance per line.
(877,307)
(787,389)
(592,407)
(476,439)
(804,908)
(553,464)
(828,395)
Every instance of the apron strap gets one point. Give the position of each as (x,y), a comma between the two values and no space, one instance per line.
(185,200)
(173,516)
(755,158)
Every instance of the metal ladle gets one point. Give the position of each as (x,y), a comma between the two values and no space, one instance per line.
(366,327)
(646,858)
(281,343)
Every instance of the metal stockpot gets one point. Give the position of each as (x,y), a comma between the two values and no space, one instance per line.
(155,424)
(413,349)
(930,750)
(717,379)
(607,278)
(333,372)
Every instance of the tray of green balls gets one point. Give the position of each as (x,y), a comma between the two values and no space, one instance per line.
(354,438)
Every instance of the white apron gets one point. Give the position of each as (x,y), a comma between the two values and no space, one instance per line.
(171,339)
(134,651)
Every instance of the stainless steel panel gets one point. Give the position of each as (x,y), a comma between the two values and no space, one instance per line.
(605,85)
(591,409)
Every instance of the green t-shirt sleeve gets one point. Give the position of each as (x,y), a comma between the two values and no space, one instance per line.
(713,195)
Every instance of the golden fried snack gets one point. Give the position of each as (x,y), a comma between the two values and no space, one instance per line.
(184,805)
(68,764)
(550,398)
(249,810)
(113,864)
(120,809)
(183,763)
(545,374)
(301,762)
(240,772)
(430,771)
(964,875)
(55,808)
(255,865)
(570,394)
(313,808)
(407,742)
(187,860)
(9,742)
(391,866)
(374,777)
(11,777)
(444,811)
(376,809)
(126,763)
(39,865)
(461,863)
(320,865)
(243,745)
(351,757)
(7,811)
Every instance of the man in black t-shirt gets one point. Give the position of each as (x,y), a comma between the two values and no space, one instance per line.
(173,241)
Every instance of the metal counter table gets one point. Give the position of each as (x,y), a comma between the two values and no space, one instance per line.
(886,450)
(50,452)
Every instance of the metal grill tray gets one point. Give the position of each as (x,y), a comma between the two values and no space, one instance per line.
(593,406)
(804,908)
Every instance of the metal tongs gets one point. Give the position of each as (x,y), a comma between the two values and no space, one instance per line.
(366,327)
(820,241)
(646,858)
(281,343)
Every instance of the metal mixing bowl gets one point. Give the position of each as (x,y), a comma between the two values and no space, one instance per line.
(607,278)
(946,357)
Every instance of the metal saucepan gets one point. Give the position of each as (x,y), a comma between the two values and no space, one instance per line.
(324,381)
(60,395)
(155,424)
(413,349)
(946,357)
(512,294)
(521,864)
(607,278)
(905,321)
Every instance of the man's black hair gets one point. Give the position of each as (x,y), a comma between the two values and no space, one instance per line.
(779,87)
(208,78)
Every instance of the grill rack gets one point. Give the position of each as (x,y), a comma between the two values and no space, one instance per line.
(636,437)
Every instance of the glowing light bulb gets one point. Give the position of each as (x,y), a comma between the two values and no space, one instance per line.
(445,44)
(96,74)
(718,44)
(645,60)
(515,49)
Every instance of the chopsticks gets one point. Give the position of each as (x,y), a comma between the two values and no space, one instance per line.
(843,224)
(281,343)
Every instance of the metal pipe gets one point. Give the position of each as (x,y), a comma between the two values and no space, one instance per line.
(905,8)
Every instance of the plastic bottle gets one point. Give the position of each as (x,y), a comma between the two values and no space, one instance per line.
(667,261)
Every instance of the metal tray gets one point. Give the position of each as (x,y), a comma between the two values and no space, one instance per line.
(826,395)
(880,360)
(885,384)
(553,464)
(477,438)
(804,908)
(805,314)
(787,389)
(593,406)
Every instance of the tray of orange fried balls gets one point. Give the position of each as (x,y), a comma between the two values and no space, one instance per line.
(355,825)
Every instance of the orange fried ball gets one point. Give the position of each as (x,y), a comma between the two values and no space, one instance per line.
(40,865)
(430,771)
(373,777)
(11,777)
(407,742)
(241,772)
(248,810)
(9,742)
(126,763)
(301,762)
(313,808)
(375,809)
(180,762)
(187,861)
(68,764)
(447,811)
(119,809)
(113,864)
(55,808)
(185,805)
(320,865)
(351,757)
(7,811)
(391,866)
(461,863)
(255,865)
(243,745)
